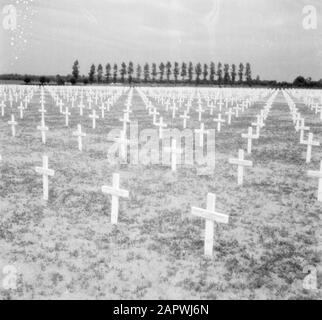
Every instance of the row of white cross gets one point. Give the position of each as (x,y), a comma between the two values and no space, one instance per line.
(209,214)
(299,123)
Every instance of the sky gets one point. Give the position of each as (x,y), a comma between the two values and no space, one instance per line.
(51,34)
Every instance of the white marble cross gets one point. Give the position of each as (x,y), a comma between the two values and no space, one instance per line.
(174,151)
(123,143)
(201,133)
(81,108)
(43,130)
(241,163)
(13,124)
(200,112)
(301,126)
(116,193)
(161,125)
(317,174)
(21,108)
(185,117)
(79,134)
(93,116)
(249,136)
(60,104)
(66,114)
(211,216)
(45,173)
(219,121)
(102,107)
(309,144)
(125,120)
(2,105)
(154,113)
(229,113)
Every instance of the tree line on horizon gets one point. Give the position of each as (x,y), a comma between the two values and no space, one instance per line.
(165,73)
(221,74)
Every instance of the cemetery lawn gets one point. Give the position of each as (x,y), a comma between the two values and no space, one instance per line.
(67,248)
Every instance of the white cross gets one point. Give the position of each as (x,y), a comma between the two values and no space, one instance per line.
(220,104)
(200,111)
(102,107)
(249,136)
(229,113)
(154,113)
(174,152)
(81,107)
(241,163)
(79,134)
(123,143)
(301,126)
(174,109)
(43,130)
(211,216)
(185,117)
(317,174)
(13,124)
(2,105)
(219,122)
(21,108)
(309,144)
(161,125)
(125,120)
(45,173)
(94,117)
(66,114)
(201,133)
(116,193)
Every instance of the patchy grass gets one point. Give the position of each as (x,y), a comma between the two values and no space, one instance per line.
(67,249)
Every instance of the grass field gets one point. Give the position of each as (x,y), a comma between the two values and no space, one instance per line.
(67,248)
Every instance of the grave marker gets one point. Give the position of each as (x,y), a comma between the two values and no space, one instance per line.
(45,173)
(211,216)
(317,174)
(116,193)
(241,163)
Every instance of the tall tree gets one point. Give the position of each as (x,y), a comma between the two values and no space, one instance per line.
(241,72)
(233,73)
(154,71)
(75,72)
(168,67)
(219,73)
(91,75)
(190,72)
(205,72)
(146,71)
(212,72)
(248,73)
(115,69)
(226,74)
(176,71)
(162,69)
(183,71)
(138,72)
(108,73)
(198,71)
(123,71)
(130,71)
(99,73)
